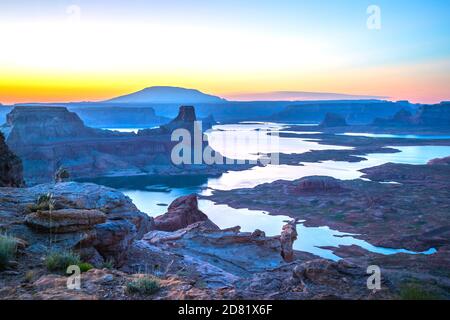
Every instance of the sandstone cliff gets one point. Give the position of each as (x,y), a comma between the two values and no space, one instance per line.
(48,138)
(437,115)
(10,166)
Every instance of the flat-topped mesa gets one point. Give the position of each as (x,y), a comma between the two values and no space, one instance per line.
(50,138)
(11,171)
(37,124)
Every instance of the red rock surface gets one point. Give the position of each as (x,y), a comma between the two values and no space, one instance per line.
(182,212)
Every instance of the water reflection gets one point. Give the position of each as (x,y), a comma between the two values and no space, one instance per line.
(153,194)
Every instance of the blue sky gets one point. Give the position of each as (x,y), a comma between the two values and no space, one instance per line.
(413,40)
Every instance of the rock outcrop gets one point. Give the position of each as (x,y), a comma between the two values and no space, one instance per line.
(95,220)
(333,120)
(440,161)
(181,213)
(316,184)
(37,124)
(436,115)
(184,120)
(11,174)
(401,118)
(48,138)
(235,253)
(65,220)
(287,238)
(195,262)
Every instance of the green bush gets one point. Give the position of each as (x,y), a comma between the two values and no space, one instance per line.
(144,286)
(60,260)
(8,248)
(84,266)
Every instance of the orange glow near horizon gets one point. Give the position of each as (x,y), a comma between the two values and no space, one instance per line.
(427,83)
(97,50)
(82,62)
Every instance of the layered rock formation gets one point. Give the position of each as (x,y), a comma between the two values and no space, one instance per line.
(36,125)
(437,115)
(48,138)
(194,262)
(11,174)
(65,220)
(287,238)
(184,120)
(181,213)
(99,222)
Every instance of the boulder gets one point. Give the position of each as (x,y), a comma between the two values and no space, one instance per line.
(287,238)
(326,272)
(317,184)
(65,220)
(113,239)
(181,213)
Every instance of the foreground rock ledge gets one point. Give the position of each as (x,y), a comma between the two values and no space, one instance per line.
(99,222)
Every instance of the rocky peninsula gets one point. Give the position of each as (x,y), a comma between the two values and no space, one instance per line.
(48,138)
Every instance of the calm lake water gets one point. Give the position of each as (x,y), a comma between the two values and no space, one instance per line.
(153,194)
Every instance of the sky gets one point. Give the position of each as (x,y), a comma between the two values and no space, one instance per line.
(58,51)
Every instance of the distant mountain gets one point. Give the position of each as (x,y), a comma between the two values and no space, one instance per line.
(167,95)
(298,96)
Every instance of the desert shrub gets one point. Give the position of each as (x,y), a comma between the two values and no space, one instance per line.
(144,286)
(62,175)
(108,264)
(44,199)
(29,276)
(8,248)
(416,291)
(43,202)
(84,266)
(60,260)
